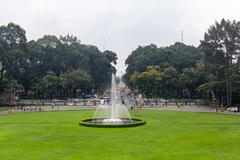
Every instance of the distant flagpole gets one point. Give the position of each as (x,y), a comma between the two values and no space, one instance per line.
(104,41)
(182,35)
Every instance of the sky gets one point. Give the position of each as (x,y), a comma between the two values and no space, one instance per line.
(119,25)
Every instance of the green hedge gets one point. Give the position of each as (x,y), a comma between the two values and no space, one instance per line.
(88,123)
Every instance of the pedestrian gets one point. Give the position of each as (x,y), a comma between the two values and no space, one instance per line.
(166,104)
(52,105)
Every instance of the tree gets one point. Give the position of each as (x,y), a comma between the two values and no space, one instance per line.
(147,82)
(170,82)
(190,79)
(12,45)
(29,62)
(176,64)
(69,40)
(3,56)
(221,46)
(76,79)
(12,48)
(111,56)
(50,84)
(13,34)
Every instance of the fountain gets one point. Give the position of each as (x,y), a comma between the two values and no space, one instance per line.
(114,114)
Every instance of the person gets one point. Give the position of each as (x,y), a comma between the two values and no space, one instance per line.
(166,104)
(178,106)
(52,105)
(222,109)
(136,103)
(123,102)
(142,102)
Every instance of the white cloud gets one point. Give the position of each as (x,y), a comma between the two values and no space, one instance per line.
(125,24)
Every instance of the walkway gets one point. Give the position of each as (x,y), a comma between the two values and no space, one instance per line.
(175,108)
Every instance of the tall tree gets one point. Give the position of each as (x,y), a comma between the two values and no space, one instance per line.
(76,79)
(13,34)
(175,63)
(147,82)
(50,84)
(12,47)
(221,46)
(32,63)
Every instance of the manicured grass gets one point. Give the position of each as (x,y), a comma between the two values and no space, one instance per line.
(168,135)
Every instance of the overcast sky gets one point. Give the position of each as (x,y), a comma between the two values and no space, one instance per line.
(124,24)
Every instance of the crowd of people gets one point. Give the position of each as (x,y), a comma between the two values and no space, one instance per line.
(32,109)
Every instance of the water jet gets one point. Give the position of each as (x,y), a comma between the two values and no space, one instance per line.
(114,114)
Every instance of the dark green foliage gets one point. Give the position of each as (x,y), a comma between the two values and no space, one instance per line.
(146,82)
(221,46)
(189,72)
(176,71)
(41,65)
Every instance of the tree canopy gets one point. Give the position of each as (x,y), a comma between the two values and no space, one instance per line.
(221,46)
(210,70)
(42,64)
(175,66)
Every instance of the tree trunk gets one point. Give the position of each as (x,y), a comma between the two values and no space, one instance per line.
(11,95)
(228,93)
(68,90)
(227,79)
(1,74)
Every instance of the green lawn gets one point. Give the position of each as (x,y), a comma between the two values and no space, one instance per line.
(167,135)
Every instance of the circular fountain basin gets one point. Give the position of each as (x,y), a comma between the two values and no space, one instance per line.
(112,123)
